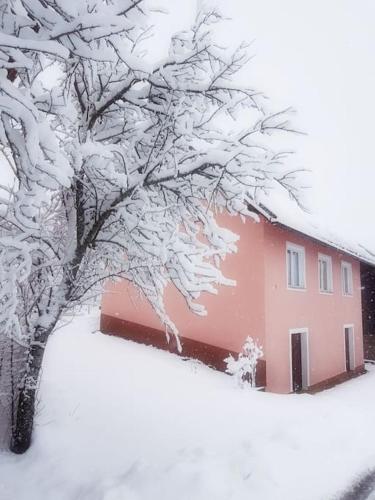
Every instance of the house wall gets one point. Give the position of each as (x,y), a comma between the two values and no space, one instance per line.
(233,314)
(260,305)
(323,314)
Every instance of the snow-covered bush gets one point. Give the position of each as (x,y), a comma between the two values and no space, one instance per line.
(244,367)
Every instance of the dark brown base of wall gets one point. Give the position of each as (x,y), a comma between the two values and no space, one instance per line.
(338,379)
(210,355)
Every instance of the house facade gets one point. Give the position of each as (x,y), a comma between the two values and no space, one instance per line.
(299,296)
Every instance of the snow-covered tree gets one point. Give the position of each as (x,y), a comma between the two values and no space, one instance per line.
(244,367)
(120,165)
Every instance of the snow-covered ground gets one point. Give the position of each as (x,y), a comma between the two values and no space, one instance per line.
(121,421)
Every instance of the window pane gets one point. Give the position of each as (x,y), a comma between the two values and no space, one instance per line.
(325,275)
(295,267)
(289,268)
(347,280)
(321,274)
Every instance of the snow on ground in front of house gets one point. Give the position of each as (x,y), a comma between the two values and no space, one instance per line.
(122,421)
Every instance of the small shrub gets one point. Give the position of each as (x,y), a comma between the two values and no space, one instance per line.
(244,367)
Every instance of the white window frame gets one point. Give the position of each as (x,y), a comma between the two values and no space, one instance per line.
(305,357)
(348,266)
(328,259)
(301,265)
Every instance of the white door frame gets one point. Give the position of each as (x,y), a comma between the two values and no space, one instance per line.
(350,327)
(305,355)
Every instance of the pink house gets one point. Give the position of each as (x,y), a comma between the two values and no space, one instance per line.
(297,292)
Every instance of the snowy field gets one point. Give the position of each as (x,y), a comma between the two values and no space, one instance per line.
(121,421)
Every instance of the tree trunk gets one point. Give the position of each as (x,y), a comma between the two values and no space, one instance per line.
(24,418)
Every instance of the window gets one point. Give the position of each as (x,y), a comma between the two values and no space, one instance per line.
(295,266)
(346,278)
(325,273)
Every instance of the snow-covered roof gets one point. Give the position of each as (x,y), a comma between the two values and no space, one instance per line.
(280,209)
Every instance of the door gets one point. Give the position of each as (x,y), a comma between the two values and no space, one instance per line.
(296,348)
(349,348)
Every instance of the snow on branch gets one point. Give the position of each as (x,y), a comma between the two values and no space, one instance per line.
(121,165)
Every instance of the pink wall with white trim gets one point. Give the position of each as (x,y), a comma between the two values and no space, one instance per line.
(323,314)
(262,306)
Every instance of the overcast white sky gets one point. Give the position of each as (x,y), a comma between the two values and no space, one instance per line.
(318,57)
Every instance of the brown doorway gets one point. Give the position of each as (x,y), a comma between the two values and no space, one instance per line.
(296,362)
(349,347)
(299,360)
